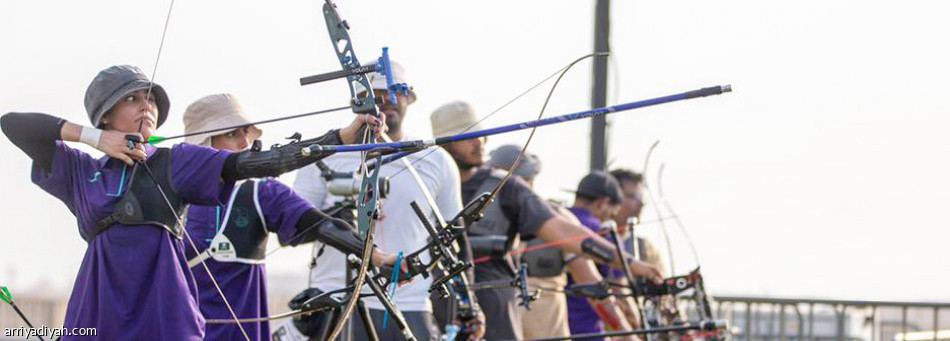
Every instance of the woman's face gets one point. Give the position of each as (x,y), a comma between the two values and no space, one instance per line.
(134,111)
(236,140)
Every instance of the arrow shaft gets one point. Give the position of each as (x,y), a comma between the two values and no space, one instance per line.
(22,316)
(253,123)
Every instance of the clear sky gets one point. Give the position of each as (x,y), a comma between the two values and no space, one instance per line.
(823,175)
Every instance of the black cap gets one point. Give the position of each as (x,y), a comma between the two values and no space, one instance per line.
(599,184)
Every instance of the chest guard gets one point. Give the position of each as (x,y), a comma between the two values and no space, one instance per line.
(143,204)
(243,236)
(494,222)
(544,262)
(484,234)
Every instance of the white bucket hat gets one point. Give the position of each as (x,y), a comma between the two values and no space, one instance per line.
(378,81)
(454,118)
(213,112)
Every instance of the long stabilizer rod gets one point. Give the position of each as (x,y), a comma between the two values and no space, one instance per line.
(416,145)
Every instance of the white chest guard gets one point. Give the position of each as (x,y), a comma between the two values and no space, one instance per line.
(243,236)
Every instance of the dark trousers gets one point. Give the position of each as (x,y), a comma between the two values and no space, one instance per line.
(502,314)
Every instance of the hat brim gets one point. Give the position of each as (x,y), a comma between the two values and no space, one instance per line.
(614,201)
(412,94)
(253,133)
(161,101)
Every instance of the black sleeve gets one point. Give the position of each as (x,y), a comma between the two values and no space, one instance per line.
(316,225)
(272,163)
(518,200)
(35,134)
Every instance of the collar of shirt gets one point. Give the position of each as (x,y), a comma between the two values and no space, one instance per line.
(586,217)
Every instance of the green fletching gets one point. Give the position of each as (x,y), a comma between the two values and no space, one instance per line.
(5,295)
(153,140)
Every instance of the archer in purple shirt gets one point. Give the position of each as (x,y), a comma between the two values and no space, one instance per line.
(134,282)
(242,279)
(598,196)
(231,236)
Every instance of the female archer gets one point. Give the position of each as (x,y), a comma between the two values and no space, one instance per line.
(134,282)
(232,237)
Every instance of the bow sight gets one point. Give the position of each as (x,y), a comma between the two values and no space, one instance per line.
(352,70)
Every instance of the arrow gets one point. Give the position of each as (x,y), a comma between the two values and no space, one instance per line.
(6,296)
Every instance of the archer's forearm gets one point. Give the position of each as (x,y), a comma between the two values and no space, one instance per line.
(277,161)
(580,241)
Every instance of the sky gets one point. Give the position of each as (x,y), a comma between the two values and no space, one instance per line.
(823,175)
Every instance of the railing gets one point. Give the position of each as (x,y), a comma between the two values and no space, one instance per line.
(791,319)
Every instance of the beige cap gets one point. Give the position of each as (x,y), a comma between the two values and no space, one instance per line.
(378,81)
(214,112)
(454,118)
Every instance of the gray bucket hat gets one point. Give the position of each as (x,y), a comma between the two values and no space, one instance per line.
(504,157)
(111,84)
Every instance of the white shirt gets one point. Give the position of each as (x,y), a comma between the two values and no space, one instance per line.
(400,229)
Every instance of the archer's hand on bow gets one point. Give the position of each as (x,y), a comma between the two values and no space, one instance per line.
(353,133)
(640,268)
(115,144)
(475,326)
(386,261)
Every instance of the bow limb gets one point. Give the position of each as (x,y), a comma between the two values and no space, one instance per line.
(368,199)
(669,209)
(701,296)
(656,207)
(631,284)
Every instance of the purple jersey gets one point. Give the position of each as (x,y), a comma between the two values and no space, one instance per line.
(581,315)
(134,282)
(242,283)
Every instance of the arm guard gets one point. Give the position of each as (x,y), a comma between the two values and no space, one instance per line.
(277,160)
(315,225)
(598,251)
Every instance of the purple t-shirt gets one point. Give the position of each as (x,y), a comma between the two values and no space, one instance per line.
(134,282)
(243,284)
(581,315)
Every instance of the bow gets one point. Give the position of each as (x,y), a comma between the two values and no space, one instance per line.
(658,308)
(368,199)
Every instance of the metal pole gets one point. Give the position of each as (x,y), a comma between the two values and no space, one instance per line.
(748,321)
(811,322)
(770,331)
(801,323)
(841,322)
(904,323)
(936,322)
(781,321)
(874,336)
(598,130)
